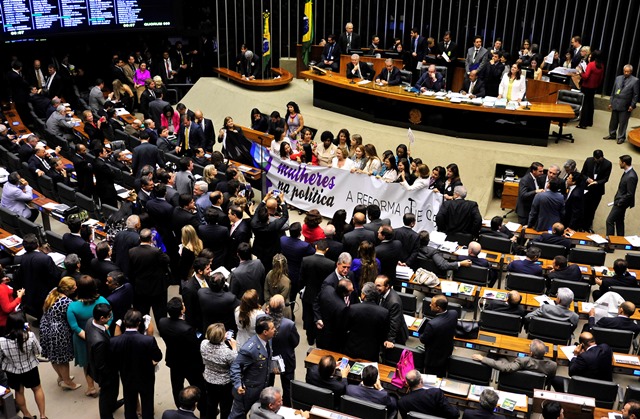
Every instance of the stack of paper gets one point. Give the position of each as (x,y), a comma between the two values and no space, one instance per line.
(449,287)
(626,359)
(543,299)
(448,247)
(404,272)
(11,241)
(513,227)
(597,238)
(633,240)
(568,351)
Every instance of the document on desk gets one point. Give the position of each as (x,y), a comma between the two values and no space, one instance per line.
(543,299)
(597,238)
(449,287)
(11,241)
(509,401)
(289,413)
(568,351)
(626,359)
(513,227)
(633,240)
(363,82)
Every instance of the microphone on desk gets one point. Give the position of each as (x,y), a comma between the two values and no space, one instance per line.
(528,106)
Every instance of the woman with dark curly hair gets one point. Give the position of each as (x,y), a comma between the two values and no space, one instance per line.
(259,122)
(311,229)
(293,122)
(339,222)
(366,267)
(246,314)
(343,139)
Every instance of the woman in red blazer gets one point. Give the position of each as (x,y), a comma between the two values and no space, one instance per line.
(591,79)
(8,303)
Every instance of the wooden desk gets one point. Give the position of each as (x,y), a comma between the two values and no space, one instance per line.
(378,63)
(619,242)
(258,84)
(15,122)
(394,106)
(257,136)
(625,369)
(634,137)
(544,91)
(252,173)
(509,195)
(577,237)
(11,250)
(547,265)
(386,372)
(584,314)
(501,344)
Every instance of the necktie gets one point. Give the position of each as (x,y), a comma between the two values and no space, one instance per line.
(329,55)
(415,45)
(475,54)
(153,94)
(45,164)
(49,82)
(382,301)
(471,87)
(268,351)
(347,301)
(166,65)
(388,75)
(39,78)
(348,41)
(186,138)
(446,46)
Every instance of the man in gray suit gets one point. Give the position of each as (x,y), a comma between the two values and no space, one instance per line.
(96,97)
(559,312)
(624,98)
(534,362)
(58,124)
(184,180)
(250,370)
(477,57)
(625,197)
(269,405)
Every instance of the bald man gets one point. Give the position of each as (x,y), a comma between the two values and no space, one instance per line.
(352,239)
(359,70)
(591,360)
(207,128)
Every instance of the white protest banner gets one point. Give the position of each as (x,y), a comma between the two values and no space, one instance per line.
(328,189)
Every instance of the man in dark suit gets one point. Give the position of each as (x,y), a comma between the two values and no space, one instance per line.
(188,399)
(284,344)
(527,190)
(239,232)
(389,299)
(450,49)
(596,171)
(250,370)
(409,238)
(101,363)
(217,304)
(146,97)
(323,375)
(295,250)
(149,268)
(249,274)
(190,137)
(105,179)
(84,170)
(622,321)
(349,39)
(156,106)
(206,125)
(101,265)
(417,48)
(555,237)
(459,215)
(214,237)
(313,271)
(39,162)
(330,58)
(73,243)
(55,84)
(547,208)
(366,325)
(438,337)
(342,271)
(329,312)
(389,252)
(352,239)
(38,275)
(622,278)
(27,148)
(125,240)
(135,355)
(488,402)
(591,360)
(184,214)
(359,70)
(473,85)
(145,154)
(334,247)
(120,296)
(371,390)
(625,197)
(624,97)
(19,90)
(167,68)
(429,401)
(527,265)
(190,288)
(183,352)
(562,270)
(375,222)
(510,306)
(390,74)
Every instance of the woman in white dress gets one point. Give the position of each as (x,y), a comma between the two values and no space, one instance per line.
(513,85)
(340,161)
(246,314)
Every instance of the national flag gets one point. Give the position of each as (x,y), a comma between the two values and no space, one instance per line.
(307,31)
(266,42)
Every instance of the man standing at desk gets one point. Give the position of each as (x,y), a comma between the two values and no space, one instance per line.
(527,190)
(390,75)
(477,56)
(358,70)
(430,80)
(438,337)
(349,39)
(624,98)
(596,170)
(625,197)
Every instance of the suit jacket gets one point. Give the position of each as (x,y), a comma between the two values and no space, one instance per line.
(18,87)
(248,275)
(410,244)
(546,210)
(148,270)
(134,354)
(428,83)
(389,253)
(295,250)
(419,48)
(526,192)
(366,72)
(525,266)
(556,312)
(366,328)
(105,180)
(330,308)
(100,269)
(36,164)
(626,280)
(146,97)
(478,88)
(616,323)
(352,240)
(101,363)
(241,234)
(216,238)
(25,152)
(504,307)
(334,250)
(121,300)
(429,401)
(284,343)
(432,260)
(451,50)
(343,41)
(571,273)
(480,414)
(251,366)
(373,395)
(623,97)
(56,87)
(266,242)
(481,59)
(196,137)
(38,275)
(146,154)
(313,271)
(181,218)
(573,209)
(626,193)
(218,307)
(394,78)
(209,134)
(594,363)
(335,384)
(183,347)
(178,414)
(551,238)
(398,331)
(184,183)
(438,341)
(603,172)
(193,314)
(331,53)
(155,109)
(376,224)
(84,174)
(76,244)
(124,240)
(459,216)
(545,366)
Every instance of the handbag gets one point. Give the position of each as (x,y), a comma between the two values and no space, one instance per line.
(467,329)
(404,365)
(428,278)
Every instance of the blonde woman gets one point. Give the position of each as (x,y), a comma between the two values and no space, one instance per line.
(278,282)
(372,161)
(56,337)
(122,93)
(218,353)
(246,315)
(190,248)
(209,175)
